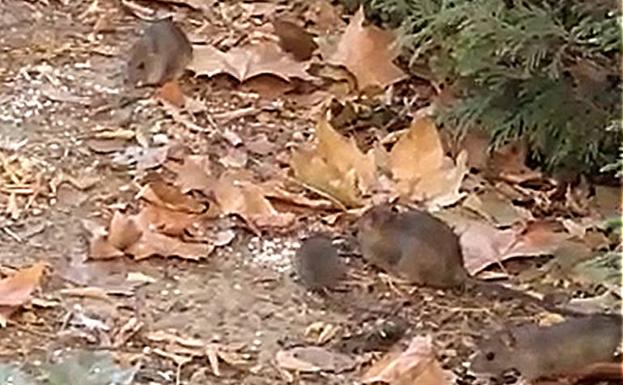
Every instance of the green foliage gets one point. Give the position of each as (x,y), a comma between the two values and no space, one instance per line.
(543,70)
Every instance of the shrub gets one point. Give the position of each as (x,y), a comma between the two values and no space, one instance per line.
(543,70)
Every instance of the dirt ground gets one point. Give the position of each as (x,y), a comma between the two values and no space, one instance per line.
(55,77)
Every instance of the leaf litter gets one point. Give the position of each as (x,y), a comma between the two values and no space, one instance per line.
(197,204)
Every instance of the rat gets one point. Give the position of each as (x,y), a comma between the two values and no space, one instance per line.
(317,262)
(160,55)
(537,352)
(422,249)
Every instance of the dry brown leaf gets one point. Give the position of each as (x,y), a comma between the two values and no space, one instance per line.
(368,52)
(484,245)
(261,145)
(236,157)
(476,144)
(106,146)
(508,163)
(165,195)
(16,289)
(418,152)
(241,197)
(294,39)
(273,190)
(496,208)
(193,174)
(538,238)
(344,154)
(267,86)
(421,170)
(152,243)
(313,171)
(100,248)
(335,166)
(166,221)
(415,366)
(312,359)
(261,8)
(248,61)
(325,16)
(171,93)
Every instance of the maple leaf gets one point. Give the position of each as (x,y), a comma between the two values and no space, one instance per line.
(245,62)
(335,166)
(17,289)
(368,52)
(420,169)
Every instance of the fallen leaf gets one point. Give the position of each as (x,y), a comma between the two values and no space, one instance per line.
(484,245)
(165,221)
(106,146)
(193,173)
(496,208)
(144,158)
(171,93)
(16,289)
(368,52)
(268,86)
(294,39)
(260,145)
(244,198)
(415,366)
(420,169)
(313,359)
(152,244)
(325,16)
(166,195)
(236,158)
(508,163)
(245,62)
(335,166)
(272,189)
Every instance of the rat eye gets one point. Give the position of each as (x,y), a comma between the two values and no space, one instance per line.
(490,356)
(141,66)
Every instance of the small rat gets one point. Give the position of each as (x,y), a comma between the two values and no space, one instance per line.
(317,262)
(422,249)
(547,351)
(160,55)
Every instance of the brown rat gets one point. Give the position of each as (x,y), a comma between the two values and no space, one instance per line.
(317,263)
(412,245)
(547,351)
(160,55)
(422,249)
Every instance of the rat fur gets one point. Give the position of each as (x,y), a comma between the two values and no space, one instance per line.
(423,250)
(317,263)
(160,55)
(547,351)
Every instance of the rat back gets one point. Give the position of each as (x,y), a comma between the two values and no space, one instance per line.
(317,262)
(431,250)
(545,351)
(160,55)
(413,245)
